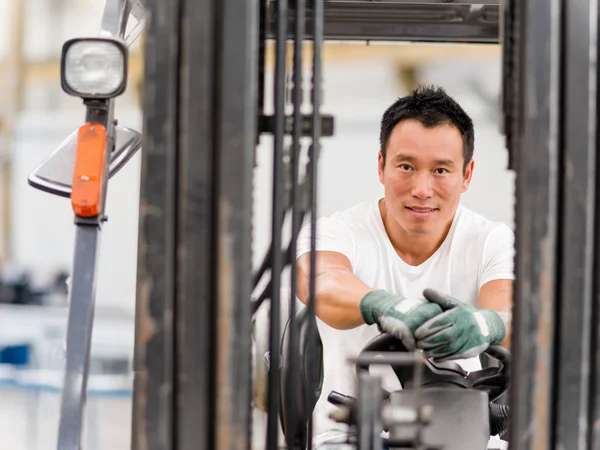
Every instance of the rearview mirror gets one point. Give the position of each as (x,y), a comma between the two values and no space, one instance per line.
(55,174)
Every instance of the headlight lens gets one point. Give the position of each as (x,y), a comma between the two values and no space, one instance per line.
(94,68)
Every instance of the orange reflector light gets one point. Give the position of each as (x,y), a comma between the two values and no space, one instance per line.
(88,177)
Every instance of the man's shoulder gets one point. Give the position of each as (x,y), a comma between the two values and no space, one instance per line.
(352,222)
(475,226)
(342,231)
(357,215)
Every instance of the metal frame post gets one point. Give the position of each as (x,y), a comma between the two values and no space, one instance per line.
(278,211)
(154,389)
(536,157)
(196,237)
(553,149)
(236,137)
(577,221)
(193,377)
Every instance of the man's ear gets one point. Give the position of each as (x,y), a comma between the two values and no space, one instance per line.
(380,165)
(468,175)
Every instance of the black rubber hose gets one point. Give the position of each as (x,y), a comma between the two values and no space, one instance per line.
(337,399)
(498,419)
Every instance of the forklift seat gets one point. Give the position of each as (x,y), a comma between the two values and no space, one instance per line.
(310,369)
(307,369)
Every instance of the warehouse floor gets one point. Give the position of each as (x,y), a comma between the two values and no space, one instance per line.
(29,421)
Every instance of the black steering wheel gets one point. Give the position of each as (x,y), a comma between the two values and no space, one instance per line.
(493,380)
(442,383)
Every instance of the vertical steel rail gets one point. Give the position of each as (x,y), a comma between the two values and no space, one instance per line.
(153,421)
(260,111)
(193,374)
(236,80)
(594,409)
(317,76)
(369,410)
(573,364)
(537,162)
(79,337)
(277,218)
(509,33)
(196,270)
(82,294)
(293,353)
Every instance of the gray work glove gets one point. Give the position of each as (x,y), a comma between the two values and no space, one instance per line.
(396,315)
(462,331)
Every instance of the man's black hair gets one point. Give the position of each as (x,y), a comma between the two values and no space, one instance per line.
(431,106)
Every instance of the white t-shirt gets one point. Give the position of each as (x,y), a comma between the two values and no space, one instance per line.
(475,251)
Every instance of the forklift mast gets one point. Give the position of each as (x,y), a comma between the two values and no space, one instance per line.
(204,113)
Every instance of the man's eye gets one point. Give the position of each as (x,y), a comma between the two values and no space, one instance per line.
(440,171)
(405,167)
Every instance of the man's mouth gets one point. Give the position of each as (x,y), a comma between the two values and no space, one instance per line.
(419,209)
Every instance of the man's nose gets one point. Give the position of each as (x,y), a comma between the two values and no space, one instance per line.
(423,185)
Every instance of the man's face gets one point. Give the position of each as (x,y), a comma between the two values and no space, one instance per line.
(423,176)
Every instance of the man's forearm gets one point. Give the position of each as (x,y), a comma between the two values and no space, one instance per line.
(338,296)
(504,310)
(497,295)
(507,318)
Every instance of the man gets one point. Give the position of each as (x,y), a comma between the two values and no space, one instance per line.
(415,263)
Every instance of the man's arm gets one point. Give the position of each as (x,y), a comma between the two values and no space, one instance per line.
(343,301)
(338,291)
(497,295)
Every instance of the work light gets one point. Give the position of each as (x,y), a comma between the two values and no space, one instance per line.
(94,67)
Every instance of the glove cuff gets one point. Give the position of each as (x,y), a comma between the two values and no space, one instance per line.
(373,303)
(495,326)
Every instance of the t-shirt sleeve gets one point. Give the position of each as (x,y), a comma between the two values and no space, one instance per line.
(498,255)
(332,235)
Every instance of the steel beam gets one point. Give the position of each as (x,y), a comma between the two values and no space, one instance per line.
(193,366)
(417,21)
(577,233)
(554,154)
(196,237)
(278,209)
(82,301)
(236,131)
(154,382)
(536,156)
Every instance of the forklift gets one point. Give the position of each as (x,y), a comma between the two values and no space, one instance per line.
(198,296)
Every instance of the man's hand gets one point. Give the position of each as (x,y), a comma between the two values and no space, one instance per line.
(396,315)
(461,331)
